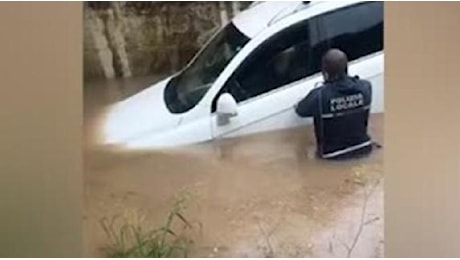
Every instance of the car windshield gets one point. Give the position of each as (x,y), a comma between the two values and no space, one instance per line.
(186,89)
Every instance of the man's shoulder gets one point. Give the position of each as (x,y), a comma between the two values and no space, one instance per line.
(362,83)
(314,93)
(316,90)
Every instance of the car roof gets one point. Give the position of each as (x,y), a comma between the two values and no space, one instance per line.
(262,15)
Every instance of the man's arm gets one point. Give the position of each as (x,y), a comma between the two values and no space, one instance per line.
(367,90)
(308,106)
(369,87)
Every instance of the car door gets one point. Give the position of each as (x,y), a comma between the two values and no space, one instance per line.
(266,102)
(271,80)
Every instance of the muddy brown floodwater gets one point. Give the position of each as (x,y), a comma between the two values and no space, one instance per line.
(255,196)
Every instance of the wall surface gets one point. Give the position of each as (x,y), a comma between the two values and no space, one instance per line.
(40,124)
(124,39)
(422,126)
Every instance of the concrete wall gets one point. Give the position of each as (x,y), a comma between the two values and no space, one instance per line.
(125,39)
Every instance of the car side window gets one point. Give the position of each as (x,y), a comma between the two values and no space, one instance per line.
(286,57)
(357,30)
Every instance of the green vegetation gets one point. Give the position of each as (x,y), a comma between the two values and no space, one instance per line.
(129,236)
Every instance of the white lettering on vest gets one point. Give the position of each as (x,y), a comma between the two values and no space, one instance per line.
(347,102)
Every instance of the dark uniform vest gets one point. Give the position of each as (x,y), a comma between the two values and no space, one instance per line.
(340,111)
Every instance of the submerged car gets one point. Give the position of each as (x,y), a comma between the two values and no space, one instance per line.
(250,74)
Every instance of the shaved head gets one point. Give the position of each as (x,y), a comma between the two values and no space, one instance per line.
(334,64)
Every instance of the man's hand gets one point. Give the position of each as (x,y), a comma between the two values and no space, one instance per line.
(308,106)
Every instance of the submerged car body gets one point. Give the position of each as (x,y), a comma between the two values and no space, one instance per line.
(251,73)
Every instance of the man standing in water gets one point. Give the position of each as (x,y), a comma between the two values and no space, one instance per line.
(340,109)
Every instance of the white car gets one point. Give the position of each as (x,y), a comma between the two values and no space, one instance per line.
(251,73)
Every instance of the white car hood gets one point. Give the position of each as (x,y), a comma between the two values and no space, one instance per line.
(138,115)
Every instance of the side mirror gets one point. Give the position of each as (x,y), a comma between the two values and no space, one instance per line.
(226,108)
